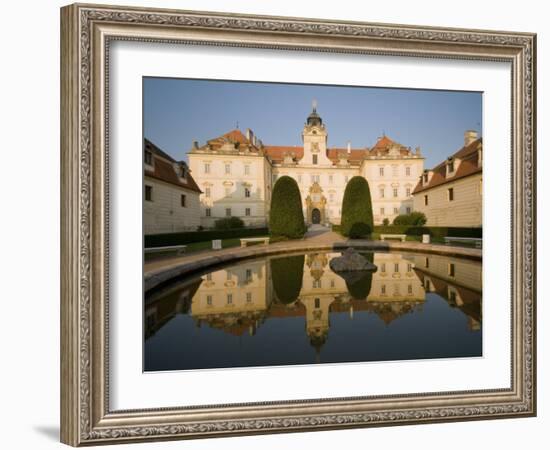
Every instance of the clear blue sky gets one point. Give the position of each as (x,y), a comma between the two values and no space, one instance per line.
(179,111)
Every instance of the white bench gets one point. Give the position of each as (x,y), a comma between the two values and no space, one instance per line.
(403,237)
(246,241)
(177,249)
(477,241)
(217,244)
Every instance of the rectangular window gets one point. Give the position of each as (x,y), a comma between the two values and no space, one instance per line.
(451,270)
(314,159)
(317,303)
(425,200)
(227,169)
(394,170)
(396,210)
(381,192)
(410,289)
(316,284)
(396,267)
(408,209)
(247,192)
(452,296)
(208,212)
(383,267)
(248,274)
(247,169)
(247,212)
(395,192)
(381,171)
(383,289)
(206,167)
(207,192)
(408,192)
(229,299)
(330,179)
(409,267)
(332,283)
(149,193)
(209,300)
(382,211)
(209,277)
(249,297)
(227,212)
(183,200)
(408,171)
(451,194)
(148,158)
(427,262)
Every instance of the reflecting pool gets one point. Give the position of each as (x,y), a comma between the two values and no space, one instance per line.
(295,310)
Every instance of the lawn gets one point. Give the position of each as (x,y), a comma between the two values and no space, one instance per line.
(197,247)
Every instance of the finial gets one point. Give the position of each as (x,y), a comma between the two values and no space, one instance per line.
(314,105)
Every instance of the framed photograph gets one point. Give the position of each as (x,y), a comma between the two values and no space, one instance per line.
(278,224)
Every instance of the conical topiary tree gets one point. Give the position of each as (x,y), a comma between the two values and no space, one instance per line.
(357,219)
(286,277)
(286,218)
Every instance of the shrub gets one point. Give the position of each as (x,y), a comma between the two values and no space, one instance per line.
(286,276)
(416,218)
(357,219)
(386,222)
(229,223)
(286,217)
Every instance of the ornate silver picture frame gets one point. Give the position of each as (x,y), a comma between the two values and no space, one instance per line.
(87,32)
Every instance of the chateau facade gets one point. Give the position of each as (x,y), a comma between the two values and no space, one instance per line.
(236,173)
(450,194)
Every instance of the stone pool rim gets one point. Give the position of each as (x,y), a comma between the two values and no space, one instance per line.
(158,277)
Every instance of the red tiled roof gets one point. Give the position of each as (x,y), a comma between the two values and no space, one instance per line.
(163,169)
(277,152)
(383,142)
(355,155)
(236,136)
(468,166)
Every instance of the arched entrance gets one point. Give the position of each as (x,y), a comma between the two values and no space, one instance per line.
(315,204)
(315,216)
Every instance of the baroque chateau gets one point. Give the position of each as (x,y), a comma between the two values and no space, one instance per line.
(233,176)
(236,173)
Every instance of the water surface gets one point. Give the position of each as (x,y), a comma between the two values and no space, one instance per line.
(295,310)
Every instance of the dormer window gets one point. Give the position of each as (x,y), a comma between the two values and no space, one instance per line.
(450,166)
(425,178)
(182,171)
(148,158)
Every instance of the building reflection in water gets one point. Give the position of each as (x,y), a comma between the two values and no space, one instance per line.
(239,299)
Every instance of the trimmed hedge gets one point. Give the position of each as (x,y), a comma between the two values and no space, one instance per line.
(432,231)
(229,223)
(286,276)
(188,237)
(415,218)
(357,218)
(286,217)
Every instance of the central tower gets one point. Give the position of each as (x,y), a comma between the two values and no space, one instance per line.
(314,137)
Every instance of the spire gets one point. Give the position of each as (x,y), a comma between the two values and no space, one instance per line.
(314,118)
